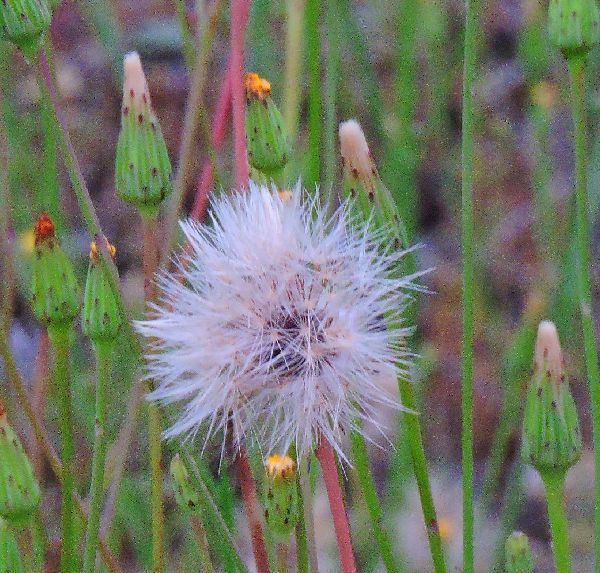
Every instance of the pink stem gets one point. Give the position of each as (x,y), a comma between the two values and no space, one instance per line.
(336,503)
(252,512)
(239,19)
(218,135)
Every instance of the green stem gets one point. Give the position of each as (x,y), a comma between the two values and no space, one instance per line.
(293,66)
(559,527)
(104,352)
(577,67)
(200,532)
(468,125)
(332,64)
(304,475)
(367,484)
(150,263)
(187,39)
(417,451)
(60,340)
(313,53)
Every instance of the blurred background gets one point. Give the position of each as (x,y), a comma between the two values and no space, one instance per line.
(396,66)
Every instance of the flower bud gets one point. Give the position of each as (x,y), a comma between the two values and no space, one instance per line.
(19,490)
(266,134)
(55,295)
(518,554)
(24,23)
(101,316)
(10,556)
(143,169)
(362,183)
(281,497)
(186,496)
(551,434)
(574,26)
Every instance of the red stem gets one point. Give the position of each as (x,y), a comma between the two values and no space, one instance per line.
(239,19)
(252,511)
(218,135)
(336,503)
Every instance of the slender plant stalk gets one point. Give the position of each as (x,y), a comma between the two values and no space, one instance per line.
(577,67)
(251,505)
(187,40)
(194,111)
(104,351)
(210,509)
(361,463)
(42,437)
(302,556)
(60,342)
(326,458)
(304,479)
(313,54)
(332,64)
(293,66)
(150,263)
(282,557)
(239,19)
(118,453)
(468,126)
(417,451)
(200,533)
(559,527)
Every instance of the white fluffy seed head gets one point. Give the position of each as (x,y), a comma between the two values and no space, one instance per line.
(279,329)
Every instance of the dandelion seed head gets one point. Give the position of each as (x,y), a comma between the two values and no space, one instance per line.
(284,325)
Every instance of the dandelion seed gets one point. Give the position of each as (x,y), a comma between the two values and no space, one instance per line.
(285,326)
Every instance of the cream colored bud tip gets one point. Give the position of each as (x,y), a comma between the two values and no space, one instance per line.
(134,80)
(547,348)
(354,146)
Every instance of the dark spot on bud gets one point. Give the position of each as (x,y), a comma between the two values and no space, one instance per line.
(267,514)
(126,111)
(355,172)
(554,404)
(191,504)
(539,391)
(547,445)
(270,493)
(286,521)
(144,98)
(141,118)
(131,166)
(353,192)
(154,171)
(371,196)
(397,243)
(131,93)
(255,131)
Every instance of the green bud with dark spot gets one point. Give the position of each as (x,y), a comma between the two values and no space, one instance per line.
(10,556)
(101,317)
(518,554)
(19,489)
(143,169)
(185,494)
(370,198)
(266,134)
(574,26)
(551,433)
(281,497)
(24,23)
(55,294)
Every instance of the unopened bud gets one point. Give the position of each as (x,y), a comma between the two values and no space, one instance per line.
(185,494)
(101,316)
(281,497)
(551,434)
(19,490)
(518,554)
(371,199)
(24,23)
(55,294)
(266,134)
(143,169)
(574,26)
(10,556)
